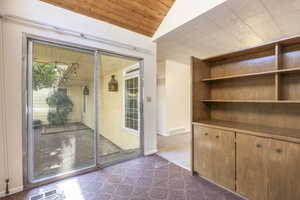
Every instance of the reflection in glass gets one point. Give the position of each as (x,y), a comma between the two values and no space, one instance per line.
(62,114)
(119,110)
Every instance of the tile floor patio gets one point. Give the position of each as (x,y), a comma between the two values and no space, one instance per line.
(61,151)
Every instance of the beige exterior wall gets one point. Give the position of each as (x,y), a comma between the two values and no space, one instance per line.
(88,118)
(41,108)
(76,96)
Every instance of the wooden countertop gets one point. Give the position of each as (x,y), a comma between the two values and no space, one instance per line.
(285,134)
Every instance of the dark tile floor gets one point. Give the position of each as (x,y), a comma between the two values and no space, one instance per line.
(145,178)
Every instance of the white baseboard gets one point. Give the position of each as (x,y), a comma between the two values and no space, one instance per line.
(12,191)
(151,152)
(163,134)
(172,132)
(176,131)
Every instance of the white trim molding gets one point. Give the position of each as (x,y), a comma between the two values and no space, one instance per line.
(74,33)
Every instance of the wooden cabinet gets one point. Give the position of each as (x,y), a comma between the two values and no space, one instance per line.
(214,155)
(251,166)
(203,151)
(284,172)
(267,169)
(224,158)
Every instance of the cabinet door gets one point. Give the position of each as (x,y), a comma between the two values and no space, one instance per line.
(214,155)
(251,166)
(203,146)
(284,171)
(224,158)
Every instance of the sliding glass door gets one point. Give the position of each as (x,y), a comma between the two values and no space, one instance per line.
(119,109)
(61,120)
(83,110)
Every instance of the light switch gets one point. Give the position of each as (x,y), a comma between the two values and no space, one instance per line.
(148,99)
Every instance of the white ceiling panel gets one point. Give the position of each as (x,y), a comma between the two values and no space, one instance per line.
(231,26)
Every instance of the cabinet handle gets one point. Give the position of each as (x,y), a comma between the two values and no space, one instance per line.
(278,150)
(205,133)
(258,145)
(217,137)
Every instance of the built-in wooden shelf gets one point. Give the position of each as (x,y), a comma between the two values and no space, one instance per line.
(286,134)
(242,101)
(289,70)
(250,101)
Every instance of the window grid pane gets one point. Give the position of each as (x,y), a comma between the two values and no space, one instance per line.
(131,103)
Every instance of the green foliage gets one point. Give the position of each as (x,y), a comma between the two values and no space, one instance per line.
(45,75)
(60,106)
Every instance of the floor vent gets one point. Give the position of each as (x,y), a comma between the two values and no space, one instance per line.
(49,195)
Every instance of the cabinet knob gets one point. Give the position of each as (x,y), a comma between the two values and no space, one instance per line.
(205,133)
(278,150)
(217,137)
(258,145)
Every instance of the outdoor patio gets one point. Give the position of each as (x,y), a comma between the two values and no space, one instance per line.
(69,147)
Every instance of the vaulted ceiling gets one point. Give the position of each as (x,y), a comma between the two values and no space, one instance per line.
(141,16)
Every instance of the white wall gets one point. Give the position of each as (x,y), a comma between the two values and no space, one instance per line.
(183,11)
(12,70)
(173,98)
(178,96)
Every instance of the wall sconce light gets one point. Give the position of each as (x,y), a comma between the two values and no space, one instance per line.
(113,84)
(86,91)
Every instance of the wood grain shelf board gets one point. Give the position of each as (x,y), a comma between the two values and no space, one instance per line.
(250,101)
(285,134)
(253,74)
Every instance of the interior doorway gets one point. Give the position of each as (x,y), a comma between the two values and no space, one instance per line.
(83,110)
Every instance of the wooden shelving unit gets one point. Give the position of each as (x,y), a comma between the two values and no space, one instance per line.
(245,119)
(258,86)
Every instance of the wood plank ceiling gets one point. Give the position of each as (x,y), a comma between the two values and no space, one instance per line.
(141,16)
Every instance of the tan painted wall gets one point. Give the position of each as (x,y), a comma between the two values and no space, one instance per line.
(3,170)
(76,95)
(41,107)
(88,119)
(112,115)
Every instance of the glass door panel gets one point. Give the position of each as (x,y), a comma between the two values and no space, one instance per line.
(119,109)
(61,117)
